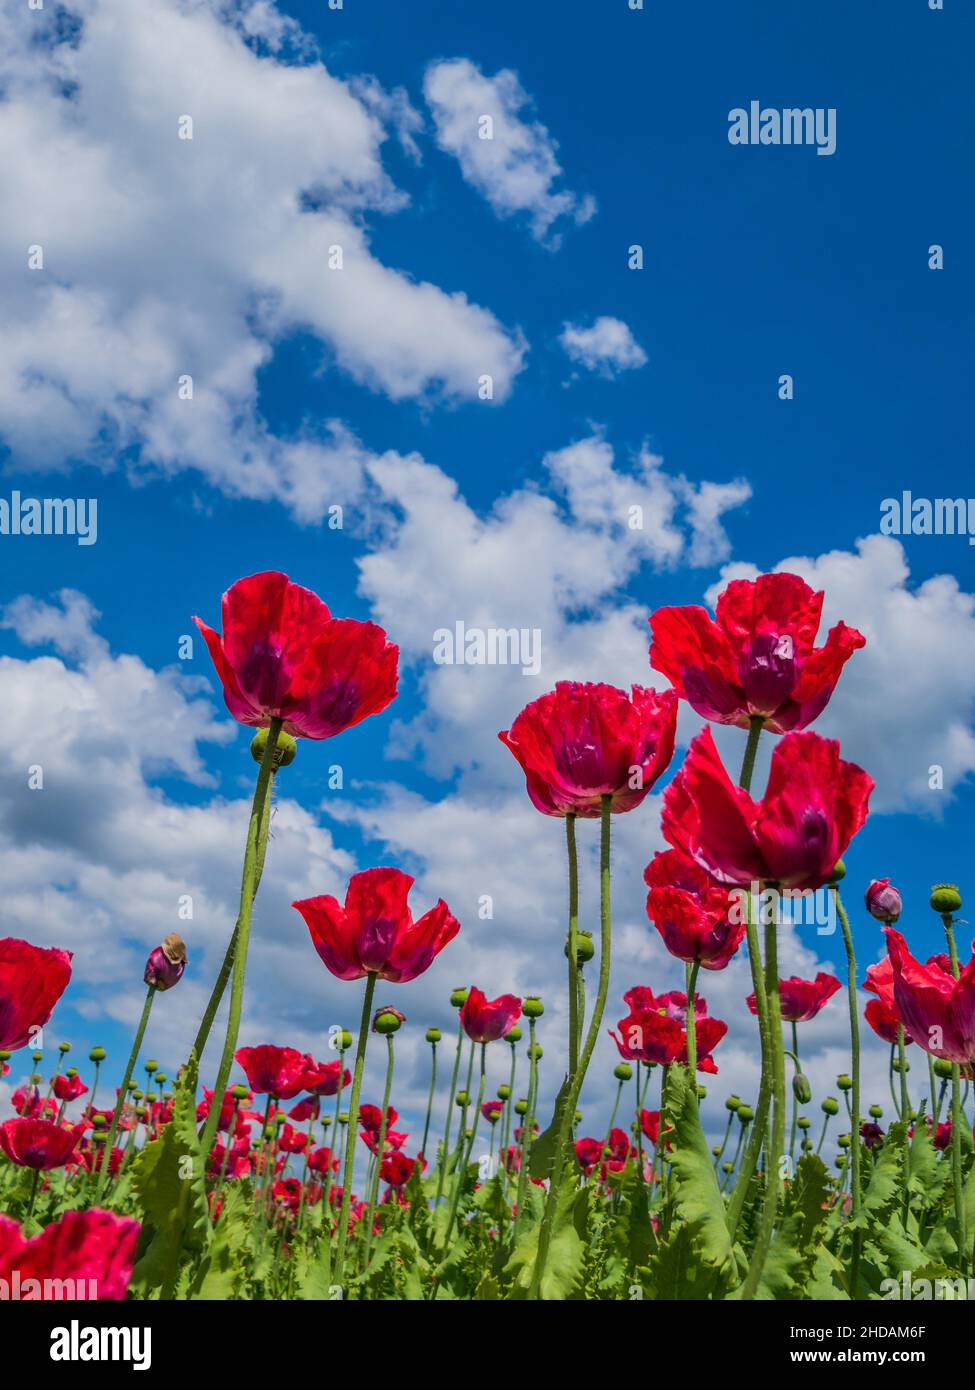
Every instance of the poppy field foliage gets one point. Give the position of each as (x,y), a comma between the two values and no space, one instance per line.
(234,1179)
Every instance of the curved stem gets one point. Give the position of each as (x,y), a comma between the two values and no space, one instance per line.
(433,1086)
(956,1115)
(248,889)
(360,1057)
(380,1150)
(773,1179)
(855,1118)
(572,1095)
(450,1115)
(573,858)
(468,1149)
(795,1098)
(123,1091)
(690,975)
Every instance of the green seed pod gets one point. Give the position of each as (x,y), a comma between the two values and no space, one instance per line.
(504,1092)
(513,1035)
(746,1114)
(801,1088)
(844,1082)
(845,1141)
(37,1056)
(458,998)
(462,1098)
(433,1035)
(5,1056)
(71,1072)
(284,750)
(388,1021)
(532,1006)
(623,1071)
(343,1117)
(942,1069)
(839,872)
(899,1066)
(945,898)
(830,1106)
(521,1107)
(727,1167)
(152,1066)
(535,1052)
(807,1146)
(875,1112)
(732,1103)
(99,1121)
(97,1054)
(702,1092)
(716,1150)
(239,1092)
(585,949)
(64,1047)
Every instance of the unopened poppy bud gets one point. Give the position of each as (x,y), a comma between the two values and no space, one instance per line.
(945,898)
(64,1047)
(97,1054)
(458,998)
(875,1112)
(803,1121)
(521,1107)
(504,1092)
(532,1006)
(388,1021)
(535,1052)
(942,1069)
(830,1106)
(462,1098)
(732,1103)
(239,1092)
(344,1040)
(433,1035)
(284,750)
(746,1114)
(623,1071)
(801,1088)
(883,901)
(166,963)
(838,873)
(844,1082)
(513,1035)
(844,1141)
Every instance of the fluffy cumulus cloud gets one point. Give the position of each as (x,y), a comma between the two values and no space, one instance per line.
(509,159)
(606,346)
(546,564)
(905,706)
(168,257)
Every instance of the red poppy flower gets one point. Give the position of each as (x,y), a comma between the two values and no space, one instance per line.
(708,1033)
(94,1246)
(486,1020)
(813,806)
(32,980)
(68,1088)
(801,1000)
(27,1103)
(881,1013)
(39,1143)
(334,1078)
(375,932)
(757,655)
(938,1011)
(283,655)
(588,1153)
(883,901)
(287,1193)
(292,1141)
(397,1169)
(871,1134)
(306,1109)
(691,911)
(647,1035)
(278,1071)
(371,1117)
(492,1110)
(582,742)
(323,1161)
(650,1125)
(393,1139)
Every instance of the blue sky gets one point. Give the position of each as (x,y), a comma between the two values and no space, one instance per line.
(759,261)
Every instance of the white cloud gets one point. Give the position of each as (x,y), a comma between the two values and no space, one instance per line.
(905,703)
(607,346)
(511,161)
(166,257)
(551,563)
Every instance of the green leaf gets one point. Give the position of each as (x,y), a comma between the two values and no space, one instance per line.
(169,1184)
(541,1155)
(219,1273)
(565,1262)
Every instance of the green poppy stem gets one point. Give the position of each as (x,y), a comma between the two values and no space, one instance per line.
(352,1128)
(433,1086)
(248,890)
(573,858)
(140,1033)
(773,1177)
(572,1096)
(856,1190)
